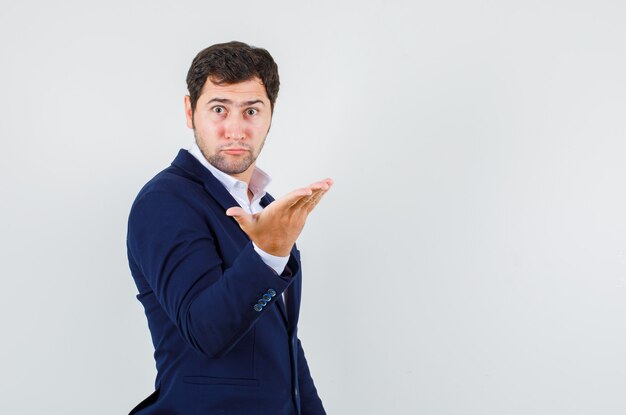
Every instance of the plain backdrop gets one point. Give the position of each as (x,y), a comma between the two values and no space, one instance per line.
(470,259)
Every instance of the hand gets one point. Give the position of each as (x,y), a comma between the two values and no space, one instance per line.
(276,228)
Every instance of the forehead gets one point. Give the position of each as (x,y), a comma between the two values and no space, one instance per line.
(244,91)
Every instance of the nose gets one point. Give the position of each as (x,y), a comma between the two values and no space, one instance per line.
(234,128)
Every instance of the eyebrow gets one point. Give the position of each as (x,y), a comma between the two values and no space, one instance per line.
(228,101)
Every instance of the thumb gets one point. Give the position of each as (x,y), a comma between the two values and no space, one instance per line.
(239,215)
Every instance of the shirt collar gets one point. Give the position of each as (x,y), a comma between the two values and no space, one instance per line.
(258,181)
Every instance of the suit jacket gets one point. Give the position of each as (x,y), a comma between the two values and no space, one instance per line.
(225,343)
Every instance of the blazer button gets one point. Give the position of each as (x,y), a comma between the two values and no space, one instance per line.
(257,307)
(271,292)
(267,297)
(262,302)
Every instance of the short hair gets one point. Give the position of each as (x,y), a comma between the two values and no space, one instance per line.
(230,63)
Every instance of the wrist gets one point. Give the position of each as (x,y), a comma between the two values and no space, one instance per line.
(274,249)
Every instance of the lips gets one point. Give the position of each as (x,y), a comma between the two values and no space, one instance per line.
(235,150)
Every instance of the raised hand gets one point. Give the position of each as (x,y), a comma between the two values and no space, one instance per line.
(276,228)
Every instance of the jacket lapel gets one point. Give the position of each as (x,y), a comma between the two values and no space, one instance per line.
(194,168)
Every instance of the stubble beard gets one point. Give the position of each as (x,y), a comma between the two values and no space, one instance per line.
(220,162)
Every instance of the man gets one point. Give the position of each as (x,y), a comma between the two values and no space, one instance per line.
(214,256)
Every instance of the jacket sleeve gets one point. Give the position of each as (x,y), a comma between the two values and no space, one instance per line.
(171,243)
(310,402)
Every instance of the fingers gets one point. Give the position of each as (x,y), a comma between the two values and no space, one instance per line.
(286,202)
(318,190)
(293,197)
(241,216)
(299,197)
(314,200)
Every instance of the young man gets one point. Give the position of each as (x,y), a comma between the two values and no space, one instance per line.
(214,257)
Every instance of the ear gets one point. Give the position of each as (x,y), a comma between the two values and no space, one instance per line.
(188,112)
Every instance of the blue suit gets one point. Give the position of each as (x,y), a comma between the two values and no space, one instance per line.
(225,342)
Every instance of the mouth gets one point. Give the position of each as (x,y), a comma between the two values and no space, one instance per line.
(235,150)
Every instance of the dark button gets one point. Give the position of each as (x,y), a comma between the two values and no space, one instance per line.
(267,297)
(262,302)
(257,307)
(271,292)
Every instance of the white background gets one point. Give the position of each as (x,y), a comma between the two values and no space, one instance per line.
(470,259)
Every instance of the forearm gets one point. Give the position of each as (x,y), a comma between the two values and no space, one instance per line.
(224,311)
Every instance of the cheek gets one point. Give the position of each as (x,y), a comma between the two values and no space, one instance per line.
(257,130)
(217,130)
(212,130)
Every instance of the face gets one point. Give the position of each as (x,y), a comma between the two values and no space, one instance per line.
(230,124)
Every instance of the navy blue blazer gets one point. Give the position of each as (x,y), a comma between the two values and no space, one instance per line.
(225,343)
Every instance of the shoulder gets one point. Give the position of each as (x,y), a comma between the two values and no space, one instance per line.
(173,181)
(171,189)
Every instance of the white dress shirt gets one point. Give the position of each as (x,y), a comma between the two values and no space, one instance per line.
(239,191)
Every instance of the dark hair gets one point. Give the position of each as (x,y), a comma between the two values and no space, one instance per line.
(230,63)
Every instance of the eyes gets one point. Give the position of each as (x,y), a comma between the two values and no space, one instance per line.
(218,109)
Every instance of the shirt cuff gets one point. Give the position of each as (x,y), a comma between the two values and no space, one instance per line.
(277,263)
